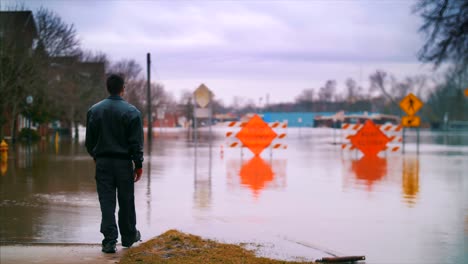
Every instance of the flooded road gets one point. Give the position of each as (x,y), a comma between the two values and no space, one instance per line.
(312,199)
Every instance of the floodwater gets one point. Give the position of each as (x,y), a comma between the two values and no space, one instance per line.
(311,200)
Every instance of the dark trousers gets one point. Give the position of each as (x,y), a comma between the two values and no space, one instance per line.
(116,176)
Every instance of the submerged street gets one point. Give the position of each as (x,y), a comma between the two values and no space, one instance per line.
(311,200)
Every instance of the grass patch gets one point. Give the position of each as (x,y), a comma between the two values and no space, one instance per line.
(174,247)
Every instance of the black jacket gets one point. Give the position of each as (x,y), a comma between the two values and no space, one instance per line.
(114,129)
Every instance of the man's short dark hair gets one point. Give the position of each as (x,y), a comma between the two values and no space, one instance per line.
(115,84)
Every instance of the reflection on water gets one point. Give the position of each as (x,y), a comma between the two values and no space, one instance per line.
(57,143)
(257,174)
(3,166)
(148,191)
(26,151)
(202,177)
(393,209)
(410,181)
(42,193)
(369,169)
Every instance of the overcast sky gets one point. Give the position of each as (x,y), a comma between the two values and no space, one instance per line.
(251,48)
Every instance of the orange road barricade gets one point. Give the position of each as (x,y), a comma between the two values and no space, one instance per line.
(392,131)
(347,131)
(234,128)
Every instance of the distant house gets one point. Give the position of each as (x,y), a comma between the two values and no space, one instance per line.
(354,118)
(65,66)
(18,29)
(225,117)
(326,119)
(18,35)
(74,78)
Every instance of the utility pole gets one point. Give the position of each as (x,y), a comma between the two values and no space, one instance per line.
(148,102)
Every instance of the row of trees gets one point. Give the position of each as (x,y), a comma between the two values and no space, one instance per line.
(442,94)
(62,77)
(45,62)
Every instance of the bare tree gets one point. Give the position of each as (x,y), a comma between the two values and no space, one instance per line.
(135,83)
(418,83)
(238,102)
(447,98)
(307,95)
(58,37)
(218,106)
(399,89)
(446,28)
(26,59)
(20,73)
(327,92)
(305,100)
(353,91)
(380,82)
(129,68)
(160,98)
(186,105)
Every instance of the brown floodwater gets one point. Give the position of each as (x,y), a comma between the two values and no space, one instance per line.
(311,200)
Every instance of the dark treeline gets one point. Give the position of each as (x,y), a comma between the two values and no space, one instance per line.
(41,58)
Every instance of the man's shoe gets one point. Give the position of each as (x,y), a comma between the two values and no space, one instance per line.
(109,248)
(135,239)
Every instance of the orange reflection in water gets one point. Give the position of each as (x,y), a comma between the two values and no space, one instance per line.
(3,166)
(370,169)
(410,180)
(257,174)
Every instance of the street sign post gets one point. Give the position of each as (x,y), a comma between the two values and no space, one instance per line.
(202,112)
(411,121)
(203,95)
(411,104)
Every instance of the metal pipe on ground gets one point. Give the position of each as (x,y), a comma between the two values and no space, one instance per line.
(341,259)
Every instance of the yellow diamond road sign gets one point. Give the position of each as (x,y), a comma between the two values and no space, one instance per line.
(411,121)
(202,95)
(411,104)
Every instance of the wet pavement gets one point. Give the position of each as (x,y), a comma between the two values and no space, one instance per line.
(57,254)
(313,199)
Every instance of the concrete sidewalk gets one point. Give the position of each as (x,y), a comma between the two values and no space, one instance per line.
(58,253)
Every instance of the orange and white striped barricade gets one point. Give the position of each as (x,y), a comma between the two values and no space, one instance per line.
(233,128)
(280,129)
(394,134)
(347,131)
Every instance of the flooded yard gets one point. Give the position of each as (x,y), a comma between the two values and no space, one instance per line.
(312,199)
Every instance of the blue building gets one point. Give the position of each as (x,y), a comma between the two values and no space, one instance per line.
(300,119)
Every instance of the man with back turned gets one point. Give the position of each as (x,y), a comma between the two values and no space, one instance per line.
(114,138)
